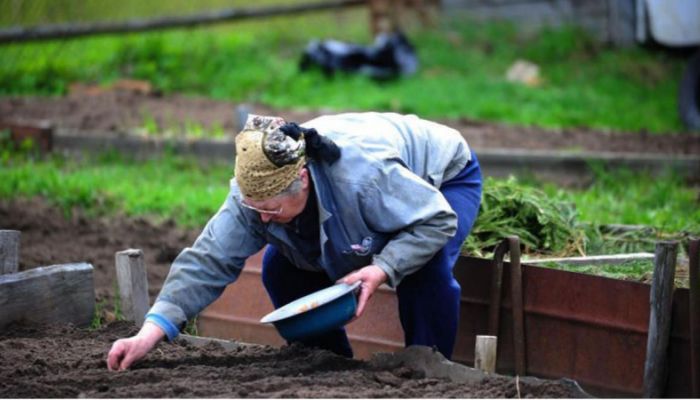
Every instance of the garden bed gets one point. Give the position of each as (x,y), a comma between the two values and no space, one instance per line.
(62,361)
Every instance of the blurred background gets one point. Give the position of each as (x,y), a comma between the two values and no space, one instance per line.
(589,68)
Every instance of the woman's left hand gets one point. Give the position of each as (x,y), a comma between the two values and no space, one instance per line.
(371,276)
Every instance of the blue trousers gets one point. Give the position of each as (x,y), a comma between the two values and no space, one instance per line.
(428,299)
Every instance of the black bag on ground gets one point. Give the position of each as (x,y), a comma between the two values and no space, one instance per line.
(390,56)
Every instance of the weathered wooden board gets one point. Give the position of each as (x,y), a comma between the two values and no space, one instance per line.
(54,294)
(133,284)
(9,251)
(485,353)
(201,341)
(612,259)
(661,302)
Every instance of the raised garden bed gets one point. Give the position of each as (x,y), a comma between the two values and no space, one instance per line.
(63,361)
(96,240)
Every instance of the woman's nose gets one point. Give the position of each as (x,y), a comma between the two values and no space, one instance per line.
(265,217)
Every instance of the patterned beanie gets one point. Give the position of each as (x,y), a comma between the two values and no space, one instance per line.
(267,160)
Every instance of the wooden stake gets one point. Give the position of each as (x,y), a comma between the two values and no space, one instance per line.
(661,304)
(133,284)
(496,287)
(485,353)
(9,251)
(516,291)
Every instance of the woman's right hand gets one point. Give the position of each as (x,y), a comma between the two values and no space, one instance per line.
(125,352)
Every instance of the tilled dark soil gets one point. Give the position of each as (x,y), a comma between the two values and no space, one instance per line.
(118,112)
(62,361)
(50,237)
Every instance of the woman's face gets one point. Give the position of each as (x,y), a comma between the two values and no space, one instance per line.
(282,209)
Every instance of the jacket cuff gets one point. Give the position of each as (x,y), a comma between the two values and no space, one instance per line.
(168,317)
(394,278)
(170,330)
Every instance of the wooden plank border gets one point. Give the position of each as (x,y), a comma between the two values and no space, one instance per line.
(558,166)
(54,294)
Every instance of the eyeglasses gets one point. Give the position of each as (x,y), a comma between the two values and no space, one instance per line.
(259,210)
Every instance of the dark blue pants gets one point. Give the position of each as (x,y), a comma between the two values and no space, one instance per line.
(428,298)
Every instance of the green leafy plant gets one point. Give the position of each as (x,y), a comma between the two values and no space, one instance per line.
(543,224)
(98,318)
(191,327)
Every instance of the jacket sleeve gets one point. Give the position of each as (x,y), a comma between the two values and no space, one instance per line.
(400,202)
(200,273)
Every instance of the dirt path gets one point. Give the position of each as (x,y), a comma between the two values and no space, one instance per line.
(117,112)
(61,361)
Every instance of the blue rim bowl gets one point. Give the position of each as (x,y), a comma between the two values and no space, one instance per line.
(316,313)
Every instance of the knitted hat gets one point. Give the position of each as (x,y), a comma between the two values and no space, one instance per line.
(267,160)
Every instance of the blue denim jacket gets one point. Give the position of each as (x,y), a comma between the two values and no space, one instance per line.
(378,204)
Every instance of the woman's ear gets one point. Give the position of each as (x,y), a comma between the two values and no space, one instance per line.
(304,177)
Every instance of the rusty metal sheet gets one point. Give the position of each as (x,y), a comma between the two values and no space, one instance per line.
(679,352)
(583,327)
(567,316)
(694,306)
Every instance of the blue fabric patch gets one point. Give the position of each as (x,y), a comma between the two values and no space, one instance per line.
(170,330)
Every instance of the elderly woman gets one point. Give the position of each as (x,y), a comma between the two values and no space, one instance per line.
(370,197)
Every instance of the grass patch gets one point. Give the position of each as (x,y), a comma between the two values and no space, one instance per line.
(164,187)
(106,312)
(633,270)
(549,220)
(462,73)
(661,207)
(638,270)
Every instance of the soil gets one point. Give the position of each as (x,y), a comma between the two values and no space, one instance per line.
(62,361)
(119,111)
(50,237)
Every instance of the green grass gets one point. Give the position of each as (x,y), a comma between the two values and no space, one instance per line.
(637,270)
(548,219)
(107,310)
(665,202)
(463,64)
(37,12)
(166,187)
(664,207)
